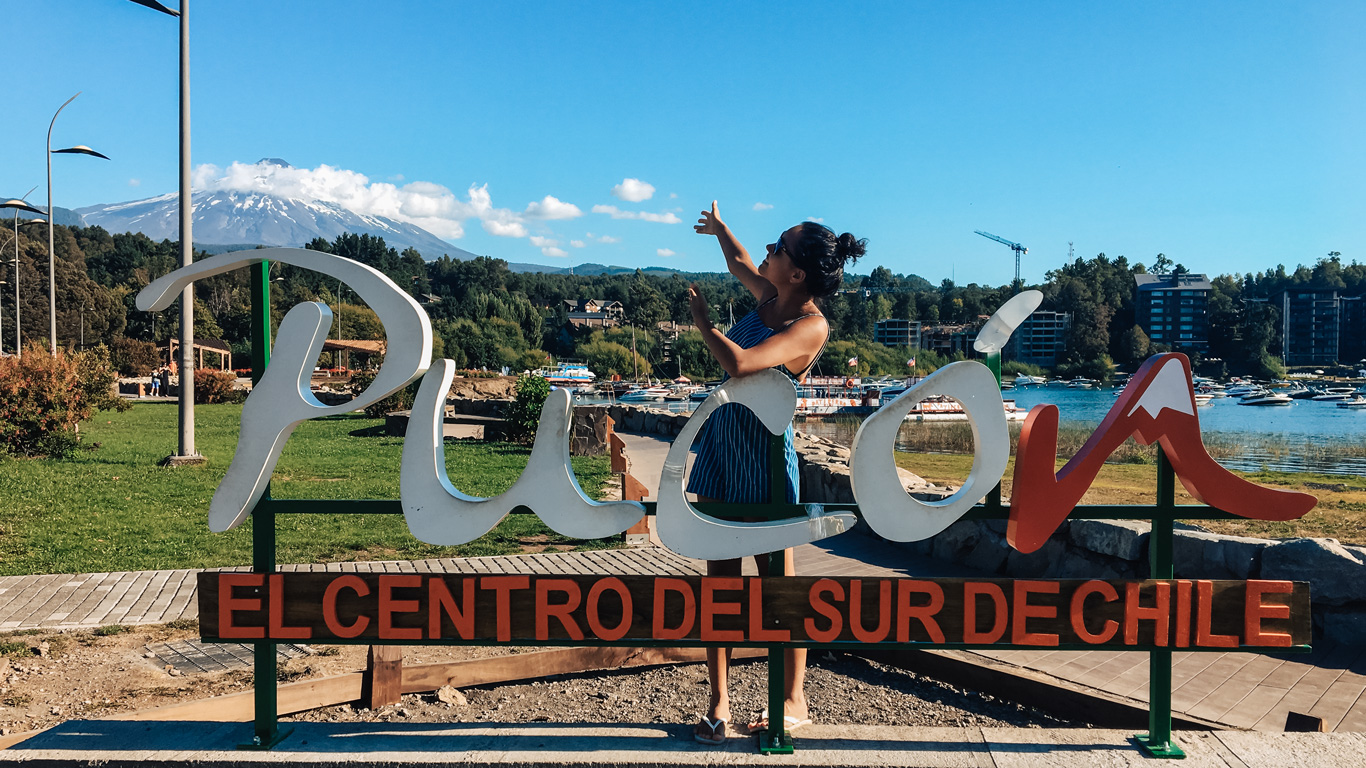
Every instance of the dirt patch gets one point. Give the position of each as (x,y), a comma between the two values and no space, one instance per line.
(501,388)
(49,677)
(840,689)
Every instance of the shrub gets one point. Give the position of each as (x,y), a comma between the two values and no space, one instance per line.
(211,386)
(401,400)
(131,357)
(44,398)
(525,412)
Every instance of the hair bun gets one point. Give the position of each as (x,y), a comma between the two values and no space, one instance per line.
(849,248)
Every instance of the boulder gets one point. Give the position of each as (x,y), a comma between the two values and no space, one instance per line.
(1041,562)
(1197,554)
(1346,626)
(1124,539)
(1334,573)
(1242,555)
(989,553)
(955,542)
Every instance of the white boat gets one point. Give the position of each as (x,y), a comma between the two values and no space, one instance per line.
(1203,398)
(567,372)
(1264,397)
(1081,383)
(1023,381)
(1357,403)
(645,394)
(1334,394)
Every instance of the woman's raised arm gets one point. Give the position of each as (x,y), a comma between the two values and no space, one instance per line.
(737,258)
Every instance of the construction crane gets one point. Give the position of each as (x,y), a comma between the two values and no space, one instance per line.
(1016,247)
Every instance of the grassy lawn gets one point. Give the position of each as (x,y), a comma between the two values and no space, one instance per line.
(1339,514)
(112,508)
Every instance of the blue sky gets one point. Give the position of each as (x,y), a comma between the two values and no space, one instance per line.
(1227,135)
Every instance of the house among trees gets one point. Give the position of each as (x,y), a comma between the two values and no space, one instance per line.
(897,333)
(594,313)
(1173,309)
(1041,338)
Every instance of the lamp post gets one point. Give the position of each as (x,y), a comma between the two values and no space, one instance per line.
(19,205)
(79,149)
(186,453)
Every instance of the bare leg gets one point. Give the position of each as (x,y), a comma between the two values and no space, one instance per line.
(794,678)
(718,659)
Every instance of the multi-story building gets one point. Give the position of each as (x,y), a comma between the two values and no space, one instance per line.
(1174,310)
(1039,339)
(897,333)
(1320,326)
(948,339)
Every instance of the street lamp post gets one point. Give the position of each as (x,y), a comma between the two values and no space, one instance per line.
(186,453)
(19,205)
(79,149)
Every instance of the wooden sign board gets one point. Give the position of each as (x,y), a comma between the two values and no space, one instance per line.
(701,610)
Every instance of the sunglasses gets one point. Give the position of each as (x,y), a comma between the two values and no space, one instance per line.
(780,246)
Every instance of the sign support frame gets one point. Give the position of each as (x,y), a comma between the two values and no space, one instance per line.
(1156,743)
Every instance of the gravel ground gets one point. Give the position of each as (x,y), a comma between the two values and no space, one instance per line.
(840,689)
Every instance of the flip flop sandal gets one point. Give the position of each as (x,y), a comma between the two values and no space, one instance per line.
(790,723)
(716,728)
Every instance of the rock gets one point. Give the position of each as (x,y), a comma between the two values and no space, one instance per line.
(1334,573)
(990,552)
(1242,554)
(1197,554)
(43,649)
(451,696)
(955,542)
(1124,539)
(1346,626)
(1040,561)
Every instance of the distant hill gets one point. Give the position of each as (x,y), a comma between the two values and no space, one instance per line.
(65,216)
(596,269)
(243,219)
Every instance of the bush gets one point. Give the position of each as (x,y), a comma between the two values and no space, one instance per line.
(401,400)
(211,386)
(45,397)
(131,357)
(525,412)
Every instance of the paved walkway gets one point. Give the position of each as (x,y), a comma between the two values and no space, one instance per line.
(399,744)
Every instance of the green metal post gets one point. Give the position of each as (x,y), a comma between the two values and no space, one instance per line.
(267,721)
(775,740)
(1157,742)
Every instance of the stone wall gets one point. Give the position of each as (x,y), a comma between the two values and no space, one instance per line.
(1092,549)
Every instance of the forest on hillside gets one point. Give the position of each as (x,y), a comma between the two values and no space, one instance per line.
(486,316)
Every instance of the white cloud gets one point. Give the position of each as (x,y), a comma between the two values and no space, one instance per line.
(395,177)
(664,252)
(556,252)
(431,206)
(762,207)
(633,190)
(543,242)
(617,213)
(578,243)
(552,209)
(816,219)
(135,182)
(608,239)
(673,195)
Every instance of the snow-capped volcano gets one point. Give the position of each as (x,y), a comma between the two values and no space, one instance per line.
(233,217)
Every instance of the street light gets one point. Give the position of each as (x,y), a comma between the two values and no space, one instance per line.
(79,149)
(19,205)
(186,452)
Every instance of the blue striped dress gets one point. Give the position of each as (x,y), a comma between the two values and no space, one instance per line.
(732,450)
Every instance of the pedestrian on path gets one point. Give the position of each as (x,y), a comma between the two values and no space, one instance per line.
(786,332)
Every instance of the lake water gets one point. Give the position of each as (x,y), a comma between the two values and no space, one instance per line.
(1288,438)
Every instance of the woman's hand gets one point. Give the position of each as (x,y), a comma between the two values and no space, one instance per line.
(701,314)
(710,223)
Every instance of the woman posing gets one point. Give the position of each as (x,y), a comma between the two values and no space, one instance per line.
(787,332)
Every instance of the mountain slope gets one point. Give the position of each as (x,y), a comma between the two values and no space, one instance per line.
(252,217)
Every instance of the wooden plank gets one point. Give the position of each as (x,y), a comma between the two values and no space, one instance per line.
(1232,691)
(527,666)
(1338,699)
(239,707)
(1355,719)
(1300,698)
(383,676)
(1194,690)
(1102,676)
(1254,706)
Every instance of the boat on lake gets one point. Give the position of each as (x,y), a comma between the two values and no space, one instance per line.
(1264,397)
(645,394)
(1357,403)
(567,372)
(1334,394)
